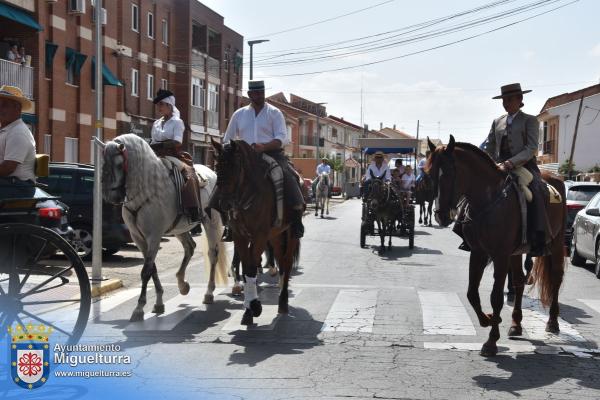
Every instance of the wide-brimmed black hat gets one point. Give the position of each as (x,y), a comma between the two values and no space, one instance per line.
(511,90)
(161,95)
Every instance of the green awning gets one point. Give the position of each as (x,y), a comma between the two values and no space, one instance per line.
(50,52)
(108,78)
(74,59)
(19,16)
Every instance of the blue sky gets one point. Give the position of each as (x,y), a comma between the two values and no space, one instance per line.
(449,90)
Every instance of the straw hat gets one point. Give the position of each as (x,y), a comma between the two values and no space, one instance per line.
(378,154)
(15,94)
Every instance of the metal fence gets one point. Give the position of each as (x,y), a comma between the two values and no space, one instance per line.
(18,75)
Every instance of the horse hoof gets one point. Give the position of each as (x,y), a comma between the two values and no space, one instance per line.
(184,288)
(137,316)
(256,307)
(208,299)
(552,327)
(247,318)
(515,331)
(283,309)
(489,350)
(272,271)
(158,309)
(237,290)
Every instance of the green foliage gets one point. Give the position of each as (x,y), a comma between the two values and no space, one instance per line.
(595,168)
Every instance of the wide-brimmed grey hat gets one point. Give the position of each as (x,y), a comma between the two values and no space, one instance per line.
(511,90)
(256,85)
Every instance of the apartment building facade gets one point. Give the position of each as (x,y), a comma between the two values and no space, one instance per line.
(180,45)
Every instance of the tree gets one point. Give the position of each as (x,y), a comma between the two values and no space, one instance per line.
(567,169)
(594,169)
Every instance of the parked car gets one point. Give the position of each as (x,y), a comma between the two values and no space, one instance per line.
(74,183)
(586,236)
(578,196)
(42,209)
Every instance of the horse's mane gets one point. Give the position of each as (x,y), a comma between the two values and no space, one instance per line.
(145,170)
(251,162)
(485,157)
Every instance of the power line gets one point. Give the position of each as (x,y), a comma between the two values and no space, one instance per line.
(424,50)
(324,20)
(368,47)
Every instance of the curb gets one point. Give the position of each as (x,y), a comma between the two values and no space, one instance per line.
(109,285)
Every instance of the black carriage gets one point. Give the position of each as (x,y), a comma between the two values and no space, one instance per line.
(43,282)
(404,225)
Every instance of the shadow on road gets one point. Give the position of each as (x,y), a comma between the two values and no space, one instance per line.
(535,371)
(400,252)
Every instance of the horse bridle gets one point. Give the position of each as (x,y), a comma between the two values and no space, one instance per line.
(452,173)
(123,153)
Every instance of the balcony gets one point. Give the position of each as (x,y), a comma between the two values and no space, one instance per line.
(549,147)
(18,75)
(197,115)
(213,119)
(198,61)
(214,67)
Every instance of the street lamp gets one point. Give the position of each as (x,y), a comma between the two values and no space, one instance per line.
(252,43)
(318,129)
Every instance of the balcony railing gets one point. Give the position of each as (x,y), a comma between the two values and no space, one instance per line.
(198,61)
(213,119)
(197,115)
(214,67)
(18,75)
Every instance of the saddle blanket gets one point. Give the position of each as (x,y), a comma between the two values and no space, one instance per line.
(555,197)
(171,162)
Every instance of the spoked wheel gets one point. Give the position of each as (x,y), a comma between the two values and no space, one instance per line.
(42,282)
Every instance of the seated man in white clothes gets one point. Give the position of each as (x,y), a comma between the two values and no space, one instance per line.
(378,169)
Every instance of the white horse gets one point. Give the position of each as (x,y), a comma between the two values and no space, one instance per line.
(134,176)
(322,194)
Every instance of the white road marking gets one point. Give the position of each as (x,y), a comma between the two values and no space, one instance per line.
(352,311)
(534,324)
(444,314)
(176,310)
(266,321)
(594,304)
(113,301)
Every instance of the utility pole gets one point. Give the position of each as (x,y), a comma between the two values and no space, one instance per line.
(574,139)
(98,125)
(318,130)
(252,43)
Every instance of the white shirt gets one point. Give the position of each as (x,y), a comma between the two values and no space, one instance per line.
(407,181)
(421,165)
(383,171)
(323,168)
(269,124)
(509,119)
(172,130)
(17,144)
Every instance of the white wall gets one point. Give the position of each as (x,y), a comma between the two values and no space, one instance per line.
(587,146)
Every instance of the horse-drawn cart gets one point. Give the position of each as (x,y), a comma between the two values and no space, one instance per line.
(43,282)
(401,214)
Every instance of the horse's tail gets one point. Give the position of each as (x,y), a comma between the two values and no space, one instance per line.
(548,270)
(222,265)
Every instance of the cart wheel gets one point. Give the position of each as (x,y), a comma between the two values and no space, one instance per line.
(363,235)
(42,281)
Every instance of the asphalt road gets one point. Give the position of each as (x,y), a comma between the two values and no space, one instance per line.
(361,326)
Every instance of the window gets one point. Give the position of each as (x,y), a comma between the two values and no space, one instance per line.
(60,184)
(165,32)
(226,60)
(289,133)
(48,144)
(71,150)
(135,18)
(151,25)
(198,92)
(582,193)
(149,86)
(164,84)
(213,97)
(135,84)
(77,6)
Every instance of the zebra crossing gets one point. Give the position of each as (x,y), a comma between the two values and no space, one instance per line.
(441,320)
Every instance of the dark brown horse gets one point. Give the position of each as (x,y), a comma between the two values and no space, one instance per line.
(386,209)
(424,194)
(244,187)
(494,232)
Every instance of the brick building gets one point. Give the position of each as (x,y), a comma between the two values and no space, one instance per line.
(176,44)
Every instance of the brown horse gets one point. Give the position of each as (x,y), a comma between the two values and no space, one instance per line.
(245,189)
(494,232)
(424,194)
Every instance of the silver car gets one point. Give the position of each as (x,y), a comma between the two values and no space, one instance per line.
(586,235)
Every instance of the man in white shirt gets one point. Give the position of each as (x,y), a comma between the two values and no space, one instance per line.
(377,169)
(17,145)
(323,167)
(421,166)
(262,125)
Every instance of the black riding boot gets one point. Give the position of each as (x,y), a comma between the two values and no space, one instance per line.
(296,224)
